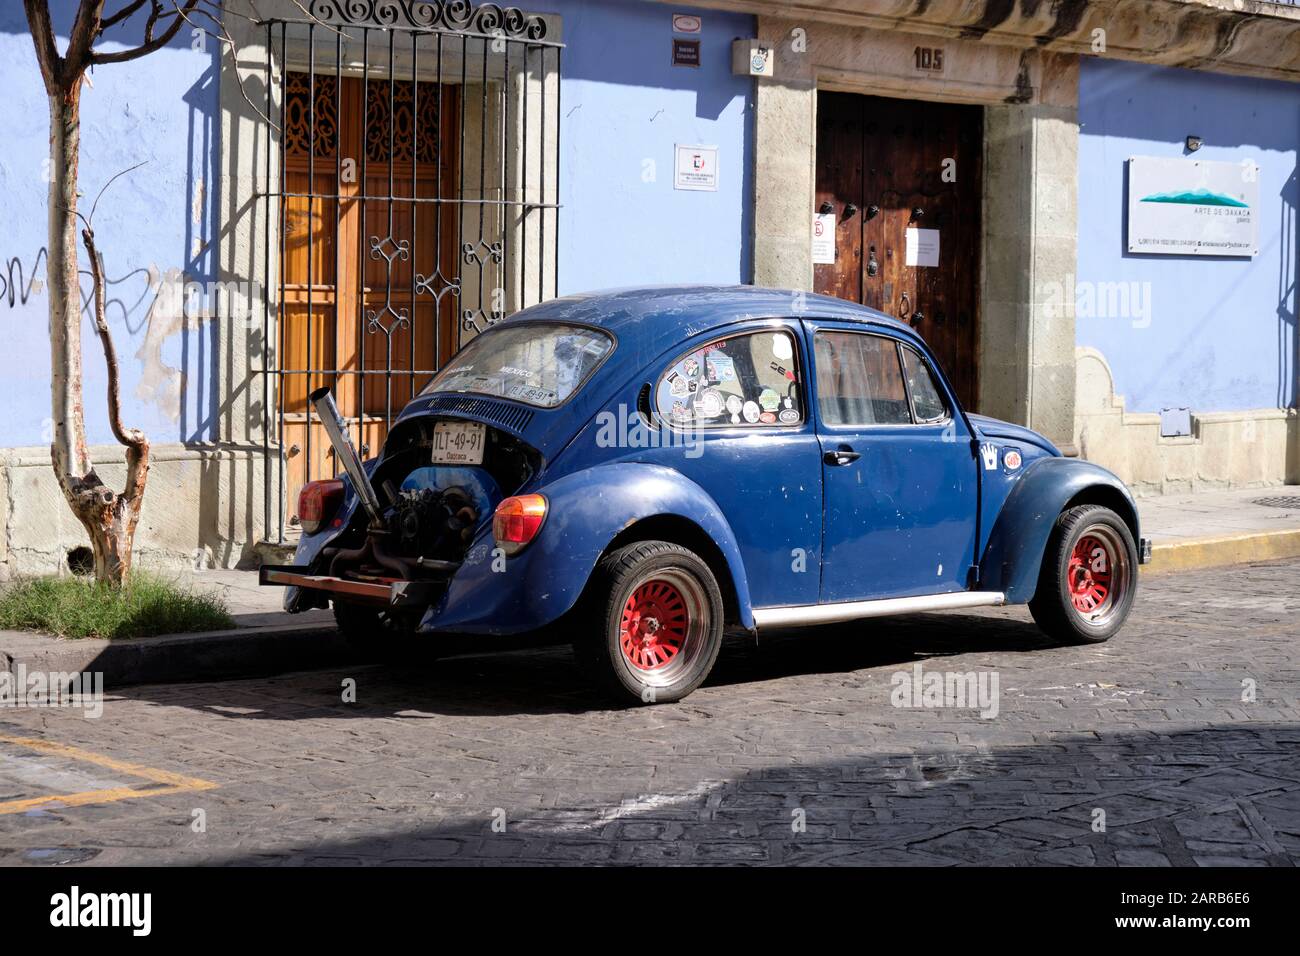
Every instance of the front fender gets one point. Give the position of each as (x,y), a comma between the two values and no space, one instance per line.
(585,511)
(1014,554)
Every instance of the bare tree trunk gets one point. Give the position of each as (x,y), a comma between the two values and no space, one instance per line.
(69,435)
(109,518)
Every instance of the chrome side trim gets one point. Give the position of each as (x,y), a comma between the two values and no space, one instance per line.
(799,615)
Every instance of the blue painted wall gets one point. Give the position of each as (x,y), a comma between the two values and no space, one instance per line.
(1222,332)
(160,110)
(624,107)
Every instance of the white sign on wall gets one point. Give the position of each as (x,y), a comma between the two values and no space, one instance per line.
(696,168)
(823,238)
(687,23)
(1191,207)
(922,247)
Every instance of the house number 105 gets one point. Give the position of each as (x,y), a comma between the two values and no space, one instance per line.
(929,58)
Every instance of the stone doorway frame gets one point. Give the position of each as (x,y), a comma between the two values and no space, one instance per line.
(1025,353)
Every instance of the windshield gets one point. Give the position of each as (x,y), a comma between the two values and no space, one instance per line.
(538,363)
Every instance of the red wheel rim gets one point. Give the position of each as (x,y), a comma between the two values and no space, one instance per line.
(1091,570)
(655,624)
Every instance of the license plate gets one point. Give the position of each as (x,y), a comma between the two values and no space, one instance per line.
(458,443)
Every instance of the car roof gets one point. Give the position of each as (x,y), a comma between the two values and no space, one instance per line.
(650,314)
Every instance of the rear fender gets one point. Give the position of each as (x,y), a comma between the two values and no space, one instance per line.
(586,511)
(1014,554)
(311,545)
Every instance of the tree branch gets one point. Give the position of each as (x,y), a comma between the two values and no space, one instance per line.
(151,42)
(47,53)
(133,436)
(116,18)
(85,28)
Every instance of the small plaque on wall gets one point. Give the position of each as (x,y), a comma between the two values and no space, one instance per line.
(823,239)
(686,52)
(1190,207)
(696,168)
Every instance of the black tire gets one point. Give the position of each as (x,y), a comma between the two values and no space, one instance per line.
(359,623)
(1089,602)
(369,629)
(674,629)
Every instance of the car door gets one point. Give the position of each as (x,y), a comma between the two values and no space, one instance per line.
(899,473)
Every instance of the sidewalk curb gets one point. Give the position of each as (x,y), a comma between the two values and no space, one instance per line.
(171,658)
(1229,549)
(308,645)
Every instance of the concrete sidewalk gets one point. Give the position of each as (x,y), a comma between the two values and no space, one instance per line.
(1221,527)
(251,605)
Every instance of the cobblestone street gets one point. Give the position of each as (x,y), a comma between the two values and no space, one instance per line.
(1146,750)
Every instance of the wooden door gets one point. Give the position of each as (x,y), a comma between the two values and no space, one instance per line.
(887,166)
(364,169)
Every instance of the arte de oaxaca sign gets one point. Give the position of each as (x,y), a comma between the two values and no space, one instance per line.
(1189,207)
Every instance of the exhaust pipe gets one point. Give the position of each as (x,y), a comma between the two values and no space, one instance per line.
(338,435)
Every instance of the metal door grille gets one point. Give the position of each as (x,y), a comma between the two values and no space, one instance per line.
(409,202)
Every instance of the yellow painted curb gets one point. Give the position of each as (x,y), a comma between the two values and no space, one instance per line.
(1230,549)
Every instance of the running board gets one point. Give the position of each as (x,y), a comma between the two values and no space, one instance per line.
(798,616)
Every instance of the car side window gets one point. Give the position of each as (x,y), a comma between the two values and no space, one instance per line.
(750,379)
(927,401)
(859,381)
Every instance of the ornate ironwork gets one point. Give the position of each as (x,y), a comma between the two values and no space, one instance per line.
(380,249)
(479,253)
(301,106)
(413,204)
(458,15)
(437,285)
(393,127)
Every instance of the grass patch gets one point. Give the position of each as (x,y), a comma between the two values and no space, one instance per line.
(75,607)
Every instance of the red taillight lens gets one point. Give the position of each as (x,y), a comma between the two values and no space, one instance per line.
(317,501)
(517,521)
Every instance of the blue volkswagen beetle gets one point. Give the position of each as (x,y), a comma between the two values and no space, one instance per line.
(637,469)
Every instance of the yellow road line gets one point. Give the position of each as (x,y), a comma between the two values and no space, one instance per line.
(170,782)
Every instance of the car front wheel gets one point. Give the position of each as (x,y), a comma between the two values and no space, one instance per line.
(653,626)
(1089,577)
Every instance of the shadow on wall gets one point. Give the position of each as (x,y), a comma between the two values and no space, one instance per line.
(202,337)
(1288,300)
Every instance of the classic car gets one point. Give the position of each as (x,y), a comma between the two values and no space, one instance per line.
(635,470)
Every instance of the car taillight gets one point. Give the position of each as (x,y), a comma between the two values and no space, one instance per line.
(517,521)
(317,502)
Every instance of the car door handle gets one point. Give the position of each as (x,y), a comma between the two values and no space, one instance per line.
(841,456)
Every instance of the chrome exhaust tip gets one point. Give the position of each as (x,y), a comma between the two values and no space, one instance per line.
(337,431)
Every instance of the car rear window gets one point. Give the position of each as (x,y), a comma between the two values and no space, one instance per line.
(538,363)
(746,380)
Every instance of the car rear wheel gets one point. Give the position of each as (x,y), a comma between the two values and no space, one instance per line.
(1089,577)
(653,625)
(369,629)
